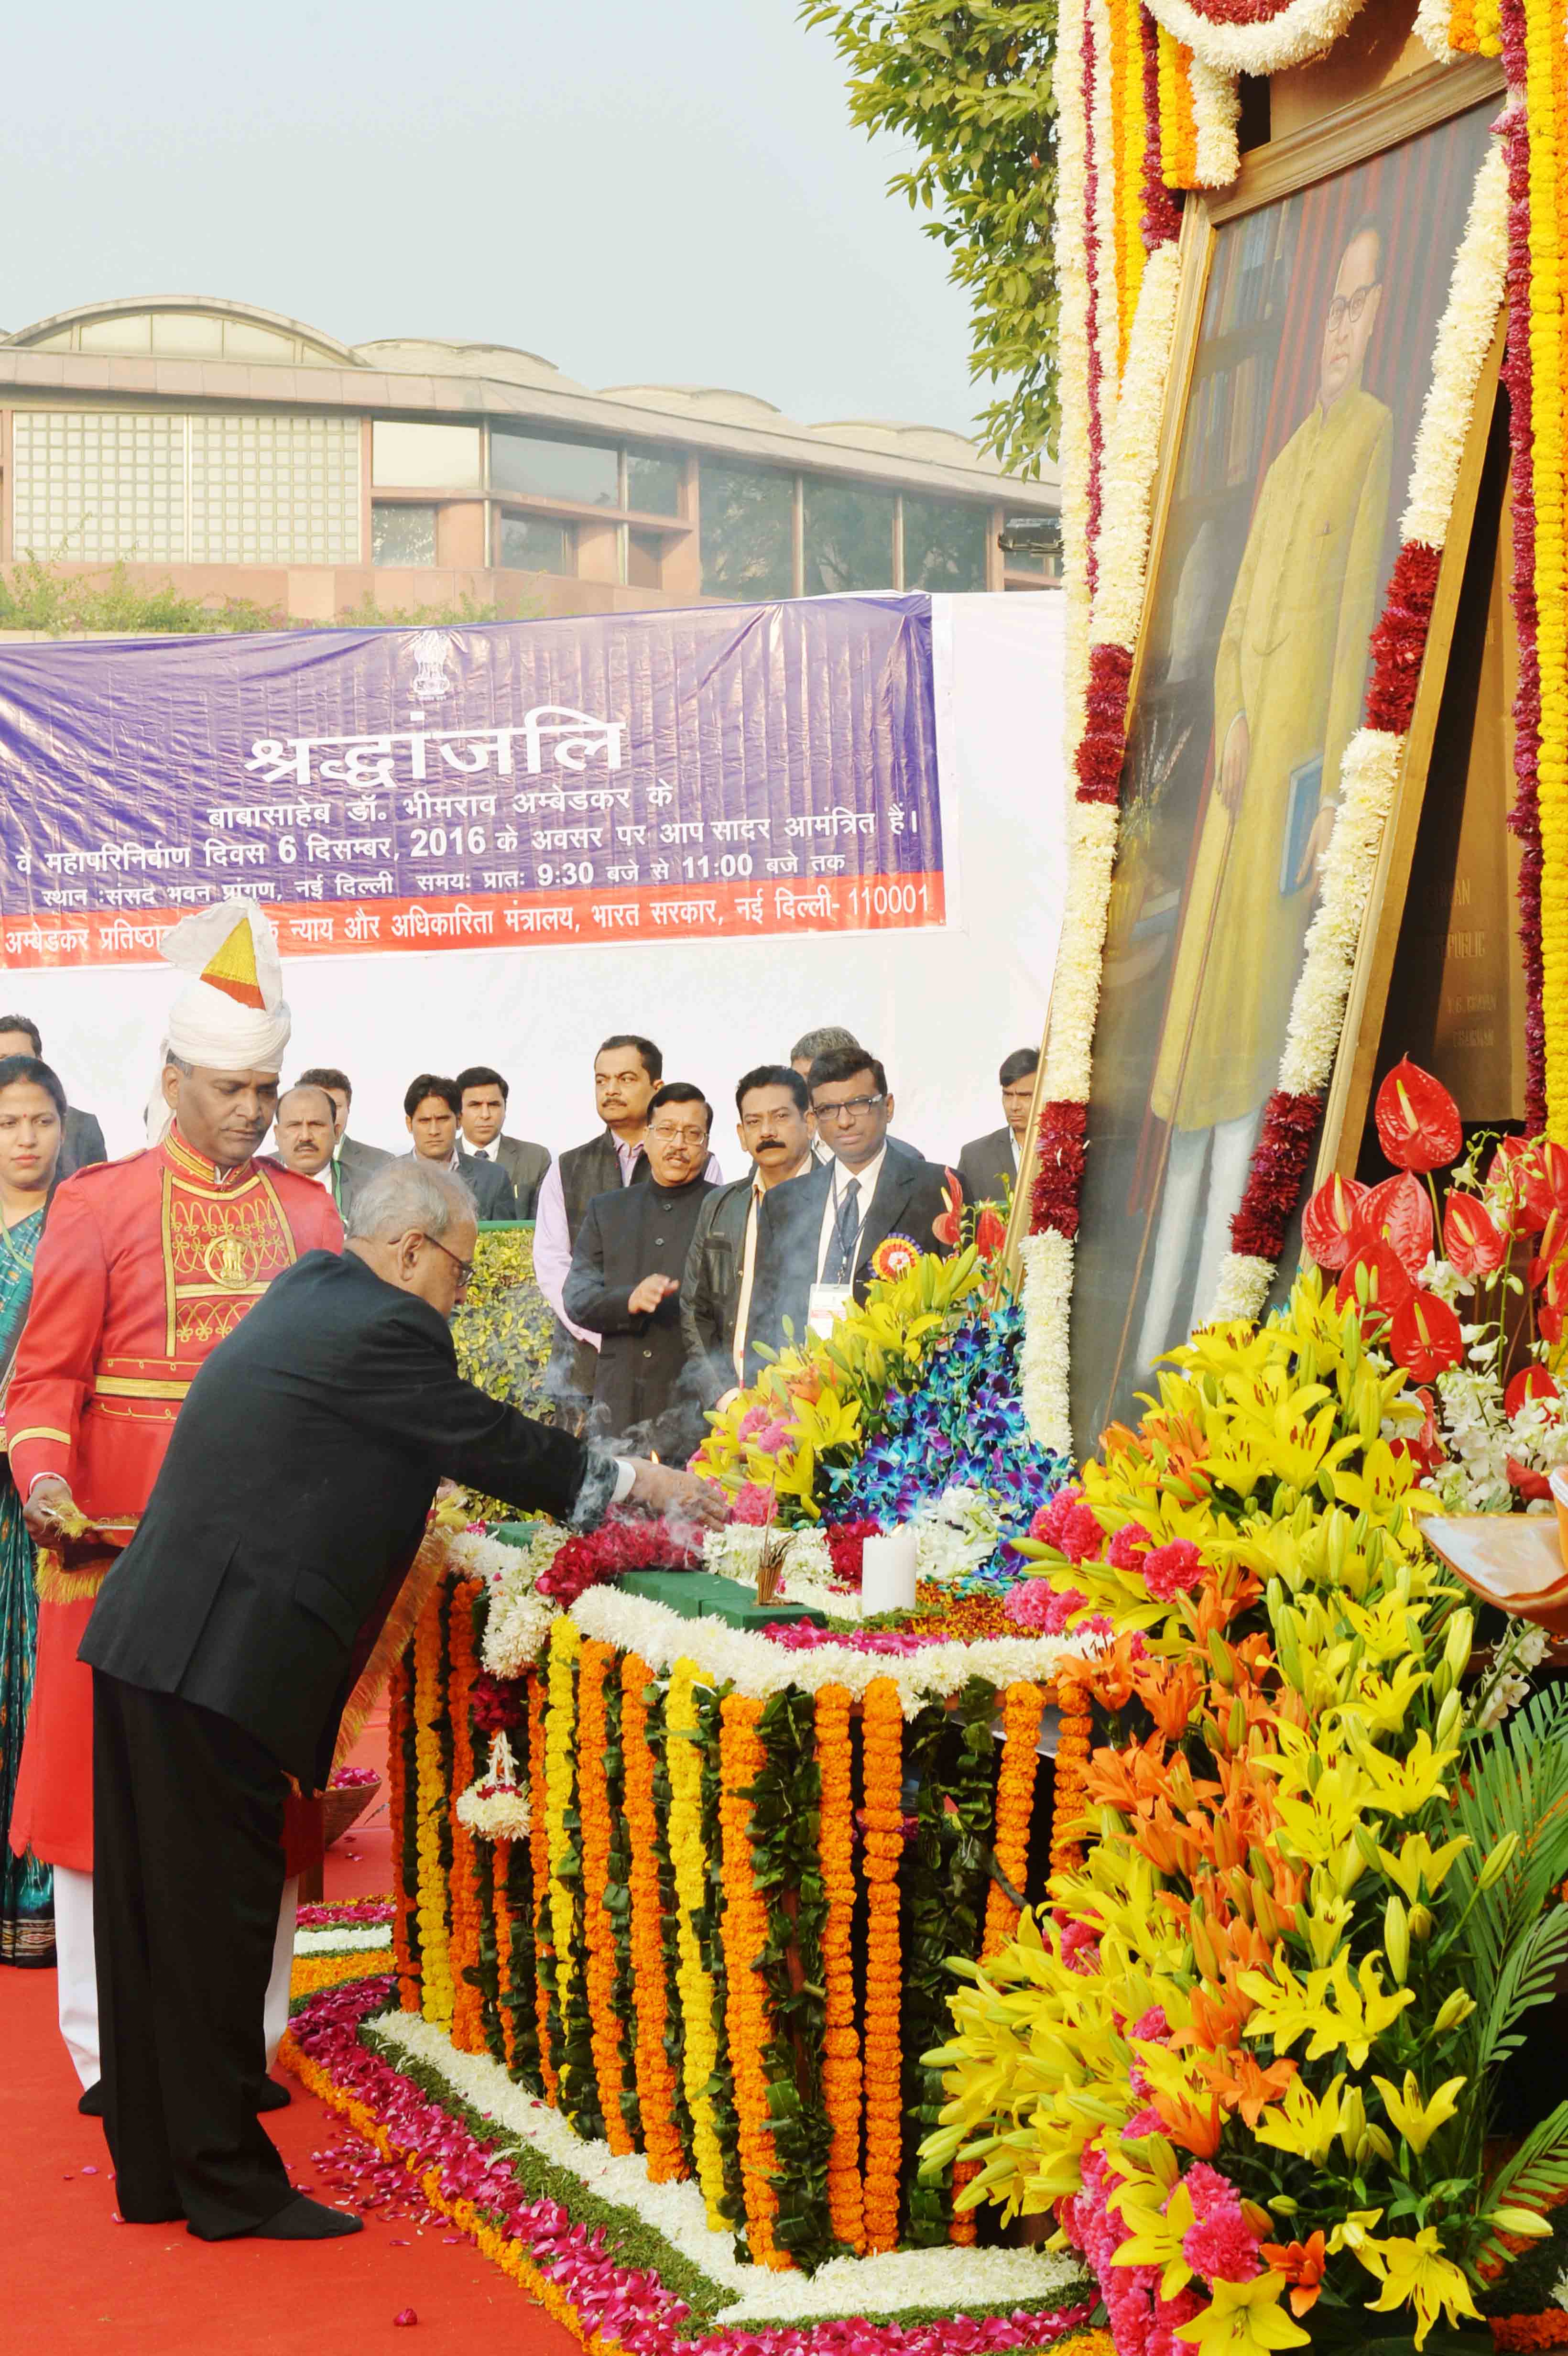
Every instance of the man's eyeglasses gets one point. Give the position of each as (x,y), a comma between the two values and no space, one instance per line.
(1350,307)
(464,1267)
(667,1135)
(850,1110)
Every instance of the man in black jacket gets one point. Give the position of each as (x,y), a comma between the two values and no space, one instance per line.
(624,1280)
(816,1236)
(989,1166)
(432,1107)
(226,1640)
(719,1283)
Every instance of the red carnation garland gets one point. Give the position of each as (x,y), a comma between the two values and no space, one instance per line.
(1399,642)
(618,1543)
(1274,1181)
(1059,1170)
(1103,744)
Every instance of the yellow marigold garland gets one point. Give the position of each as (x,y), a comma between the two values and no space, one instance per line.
(841,2042)
(882,1733)
(559,1740)
(538,1859)
(1178,114)
(311,1973)
(745,1934)
(597,1932)
(656,2079)
(400,1702)
(693,1982)
(430,1702)
(463,1952)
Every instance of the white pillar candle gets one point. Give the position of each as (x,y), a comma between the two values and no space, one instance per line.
(887,1573)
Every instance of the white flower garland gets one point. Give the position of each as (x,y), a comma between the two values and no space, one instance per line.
(943,2278)
(1045,1358)
(1463,335)
(1303,30)
(343,1939)
(1216,113)
(1072,363)
(1434,20)
(1107,301)
(495,1806)
(759,1669)
(517,1624)
(1131,451)
(736,1552)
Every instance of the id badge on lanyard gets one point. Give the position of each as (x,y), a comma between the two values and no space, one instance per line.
(826,1303)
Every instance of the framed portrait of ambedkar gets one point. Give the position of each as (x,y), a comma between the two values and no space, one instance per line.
(1312,295)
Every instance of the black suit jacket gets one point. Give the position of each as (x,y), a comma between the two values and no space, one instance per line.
(525,1164)
(630,1233)
(357,1165)
(490,1186)
(985,1167)
(710,1287)
(82,1143)
(908,1202)
(293,1498)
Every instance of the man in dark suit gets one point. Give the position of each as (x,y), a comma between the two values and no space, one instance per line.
(824,1041)
(226,1640)
(625,1275)
(816,1236)
(83,1140)
(989,1166)
(431,1108)
(719,1281)
(485,1096)
(353,1165)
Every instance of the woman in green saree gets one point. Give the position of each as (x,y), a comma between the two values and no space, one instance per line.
(32,1124)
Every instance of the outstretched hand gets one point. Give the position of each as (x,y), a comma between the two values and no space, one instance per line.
(653,1290)
(663,1490)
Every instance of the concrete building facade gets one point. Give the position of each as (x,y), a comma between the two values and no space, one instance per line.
(239,453)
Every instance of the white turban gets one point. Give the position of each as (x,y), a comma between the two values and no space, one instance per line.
(230,1016)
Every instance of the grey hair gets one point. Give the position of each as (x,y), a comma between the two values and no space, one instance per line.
(409,1194)
(812,1044)
(178,1062)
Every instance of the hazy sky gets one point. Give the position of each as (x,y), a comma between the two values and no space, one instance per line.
(641,194)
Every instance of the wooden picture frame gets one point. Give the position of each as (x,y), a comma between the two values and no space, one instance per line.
(1304,166)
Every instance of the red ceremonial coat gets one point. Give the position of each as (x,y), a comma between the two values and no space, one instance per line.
(144,1267)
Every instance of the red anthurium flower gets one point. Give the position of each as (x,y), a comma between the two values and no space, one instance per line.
(1471,1242)
(1530,1382)
(1398,1213)
(1329,1217)
(1425,1337)
(990,1232)
(1505,1181)
(1548,1323)
(1374,1279)
(1530,1483)
(1418,1120)
(949,1229)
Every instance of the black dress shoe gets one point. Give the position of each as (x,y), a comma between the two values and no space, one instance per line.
(273,2097)
(91,2102)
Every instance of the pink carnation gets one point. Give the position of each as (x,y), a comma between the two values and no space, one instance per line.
(1221,2247)
(1081,1535)
(1048,1521)
(1153,2026)
(1131,1541)
(1208,2189)
(1032,1604)
(754,1421)
(1178,1565)
(753,1502)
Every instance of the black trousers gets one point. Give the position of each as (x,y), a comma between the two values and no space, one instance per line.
(187,1879)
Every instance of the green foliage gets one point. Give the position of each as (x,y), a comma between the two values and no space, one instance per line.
(452,611)
(972,88)
(502,1332)
(38,593)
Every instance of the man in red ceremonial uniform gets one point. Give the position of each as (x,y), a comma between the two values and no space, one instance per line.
(144,1265)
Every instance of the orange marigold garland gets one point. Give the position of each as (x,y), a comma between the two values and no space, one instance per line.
(744,1933)
(883,1818)
(405,1898)
(430,1811)
(467,2004)
(506,1994)
(538,1858)
(1072,1760)
(598,1933)
(841,2042)
(655,2078)
(1021,1707)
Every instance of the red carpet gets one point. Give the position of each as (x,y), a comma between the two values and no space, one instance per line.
(72,2279)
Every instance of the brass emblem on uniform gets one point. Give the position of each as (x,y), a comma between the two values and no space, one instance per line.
(228,1263)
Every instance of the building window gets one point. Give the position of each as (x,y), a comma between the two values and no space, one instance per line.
(403,534)
(944,544)
(104,488)
(645,560)
(848,538)
(747,531)
(528,544)
(424,457)
(275,490)
(582,472)
(652,483)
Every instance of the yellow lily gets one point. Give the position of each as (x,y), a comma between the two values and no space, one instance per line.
(1304,2123)
(1419,1862)
(1287,2010)
(1417,2121)
(1156,2235)
(1415,2273)
(1243,2319)
(1402,1785)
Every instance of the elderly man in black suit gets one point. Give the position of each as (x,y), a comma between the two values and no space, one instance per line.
(989,1166)
(816,1236)
(625,1277)
(226,1640)
(719,1283)
(82,1139)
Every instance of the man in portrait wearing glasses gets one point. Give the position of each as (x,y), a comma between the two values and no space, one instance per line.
(816,1236)
(624,1280)
(1289,682)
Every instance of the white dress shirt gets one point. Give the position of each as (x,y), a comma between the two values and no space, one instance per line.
(827,1233)
(552,1238)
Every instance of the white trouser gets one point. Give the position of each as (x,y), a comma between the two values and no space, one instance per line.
(78,1975)
(1232,1142)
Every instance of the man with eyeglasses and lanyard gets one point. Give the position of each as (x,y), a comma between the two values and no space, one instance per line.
(816,1236)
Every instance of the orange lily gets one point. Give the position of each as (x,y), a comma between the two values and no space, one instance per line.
(1301,2264)
(1241,2086)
